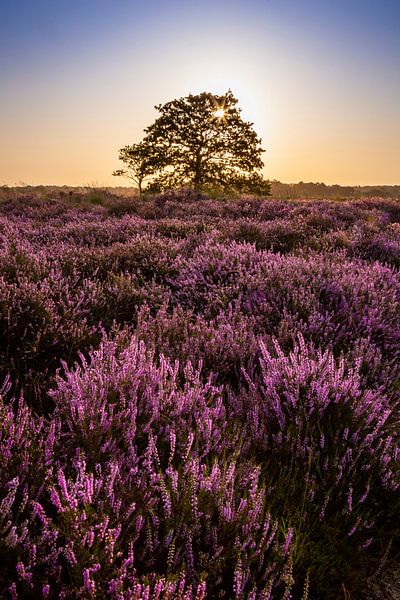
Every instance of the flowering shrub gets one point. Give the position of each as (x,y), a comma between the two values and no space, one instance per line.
(152,496)
(200,399)
(309,418)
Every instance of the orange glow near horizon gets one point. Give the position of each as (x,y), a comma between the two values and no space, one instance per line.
(320,113)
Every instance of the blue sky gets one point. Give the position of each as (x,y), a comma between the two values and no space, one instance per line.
(320,80)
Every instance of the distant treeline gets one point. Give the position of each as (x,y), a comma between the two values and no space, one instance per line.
(279,190)
(321,190)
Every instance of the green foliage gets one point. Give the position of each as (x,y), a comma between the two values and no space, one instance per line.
(198,141)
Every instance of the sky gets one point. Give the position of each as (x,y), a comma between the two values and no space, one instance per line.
(320,80)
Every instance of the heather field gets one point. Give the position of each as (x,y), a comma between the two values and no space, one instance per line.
(199,398)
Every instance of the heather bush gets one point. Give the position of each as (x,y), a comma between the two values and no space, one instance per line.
(329,299)
(97,540)
(382,246)
(122,394)
(308,417)
(200,398)
(224,344)
(155,492)
(271,235)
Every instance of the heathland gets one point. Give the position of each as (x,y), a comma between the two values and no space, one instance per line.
(199,397)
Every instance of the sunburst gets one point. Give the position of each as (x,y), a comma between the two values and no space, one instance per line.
(220,111)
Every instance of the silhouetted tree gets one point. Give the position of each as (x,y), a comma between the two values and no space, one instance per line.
(140,161)
(201,141)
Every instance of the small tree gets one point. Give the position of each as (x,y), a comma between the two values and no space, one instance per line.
(140,163)
(200,141)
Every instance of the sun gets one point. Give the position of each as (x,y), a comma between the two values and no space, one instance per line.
(219,113)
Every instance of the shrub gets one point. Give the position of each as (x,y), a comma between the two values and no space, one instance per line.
(201,398)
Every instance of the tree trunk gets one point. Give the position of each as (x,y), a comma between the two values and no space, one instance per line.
(197,171)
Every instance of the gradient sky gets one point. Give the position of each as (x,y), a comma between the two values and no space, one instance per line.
(320,79)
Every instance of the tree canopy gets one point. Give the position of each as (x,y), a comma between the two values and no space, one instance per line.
(199,141)
(141,163)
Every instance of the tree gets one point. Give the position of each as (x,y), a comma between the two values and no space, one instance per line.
(141,163)
(199,141)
